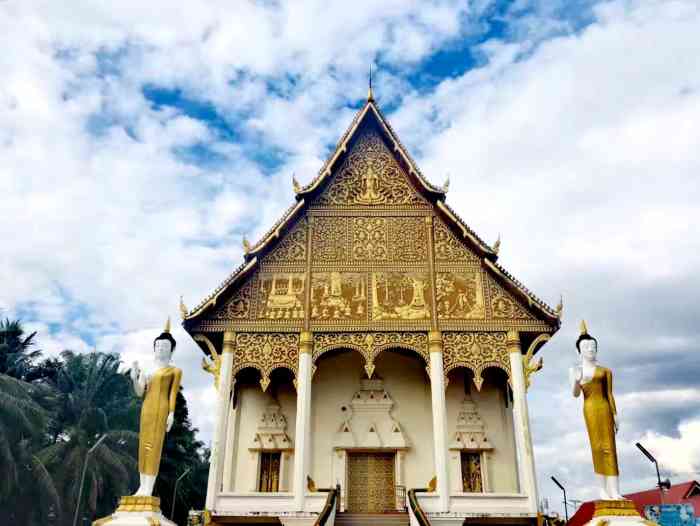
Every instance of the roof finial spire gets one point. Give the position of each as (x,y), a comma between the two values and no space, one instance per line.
(370,95)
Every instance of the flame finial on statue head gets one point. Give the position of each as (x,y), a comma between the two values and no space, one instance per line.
(166,330)
(584,328)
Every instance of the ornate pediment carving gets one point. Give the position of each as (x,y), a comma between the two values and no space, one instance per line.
(369,176)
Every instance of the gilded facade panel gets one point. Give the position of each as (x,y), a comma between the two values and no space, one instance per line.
(475,351)
(239,306)
(266,352)
(330,239)
(460,295)
(370,238)
(401,296)
(291,248)
(370,175)
(339,296)
(280,295)
(503,305)
(449,249)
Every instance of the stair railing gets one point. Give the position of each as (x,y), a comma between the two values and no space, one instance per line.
(327,515)
(415,506)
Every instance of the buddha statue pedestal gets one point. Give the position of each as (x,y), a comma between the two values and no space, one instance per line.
(617,513)
(136,511)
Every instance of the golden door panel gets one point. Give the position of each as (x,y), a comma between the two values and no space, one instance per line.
(281,296)
(339,296)
(471,472)
(370,175)
(371,482)
(400,296)
(269,478)
(460,295)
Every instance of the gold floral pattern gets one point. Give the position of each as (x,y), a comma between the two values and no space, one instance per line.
(292,247)
(476,351)
(329,239)
(369,238)
(266,352)
(448,248)
(238,306)
(369,345)
(504,305)
(370,176)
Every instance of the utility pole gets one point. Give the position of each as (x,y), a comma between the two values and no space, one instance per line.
(566,506)
(82,478)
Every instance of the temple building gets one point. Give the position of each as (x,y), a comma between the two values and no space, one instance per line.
(371,342)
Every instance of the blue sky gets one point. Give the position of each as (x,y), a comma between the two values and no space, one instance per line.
(139,144)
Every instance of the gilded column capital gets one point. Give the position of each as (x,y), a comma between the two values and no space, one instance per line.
(435,341)
(513,342)
(306,342)
(229,342)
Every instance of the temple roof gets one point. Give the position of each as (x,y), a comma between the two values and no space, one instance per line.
(433,194)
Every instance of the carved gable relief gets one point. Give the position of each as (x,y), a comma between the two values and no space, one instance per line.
(291,248)
(400,296)
(339,296)
(238,307)
(460,295)
(503,305)
(449,249)
(370,175)
(280,295)
(329,240)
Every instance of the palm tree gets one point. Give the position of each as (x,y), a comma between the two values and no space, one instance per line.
(91,395)
(26,486)
(16,354)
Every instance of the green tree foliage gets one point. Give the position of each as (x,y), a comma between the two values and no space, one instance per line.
(16,349)
(27,491)
(90,393)
(182,451)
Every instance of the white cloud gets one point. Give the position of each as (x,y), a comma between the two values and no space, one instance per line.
(581,150)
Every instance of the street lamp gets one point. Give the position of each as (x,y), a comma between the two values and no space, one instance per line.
(82,478)
(566,507)
(661,483)
(172,508)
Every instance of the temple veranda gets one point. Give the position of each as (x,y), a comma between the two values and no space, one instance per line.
(371,341)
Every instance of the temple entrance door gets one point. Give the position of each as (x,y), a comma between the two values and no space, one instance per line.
(371,482)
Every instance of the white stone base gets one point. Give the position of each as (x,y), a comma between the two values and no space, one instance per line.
(136,511)
(617,513)
(297,521)
(137,518)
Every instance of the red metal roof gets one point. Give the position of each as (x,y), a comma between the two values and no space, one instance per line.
(684,493)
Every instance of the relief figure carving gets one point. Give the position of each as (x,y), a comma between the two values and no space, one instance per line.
(339,296)
(400,295)
(460,295)
(281,296)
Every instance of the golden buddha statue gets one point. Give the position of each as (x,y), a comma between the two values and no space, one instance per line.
(158,410)
(595,381)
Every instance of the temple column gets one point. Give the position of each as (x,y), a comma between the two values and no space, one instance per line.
(219,445)
(230,441)
(527,475)
(437,388)
(303,421)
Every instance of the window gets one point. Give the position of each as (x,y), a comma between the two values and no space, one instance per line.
(269,479)
(471,472)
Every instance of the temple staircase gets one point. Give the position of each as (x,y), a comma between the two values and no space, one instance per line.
(372,519)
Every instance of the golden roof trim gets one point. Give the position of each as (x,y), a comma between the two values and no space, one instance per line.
(342,147)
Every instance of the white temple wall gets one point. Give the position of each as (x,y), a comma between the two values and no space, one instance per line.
(335,382)
(252,402)
(501,463)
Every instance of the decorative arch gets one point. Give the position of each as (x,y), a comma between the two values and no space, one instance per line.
(266,352)
(476,351)
(370,344)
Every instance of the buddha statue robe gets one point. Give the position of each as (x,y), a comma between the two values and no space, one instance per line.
(598,411)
